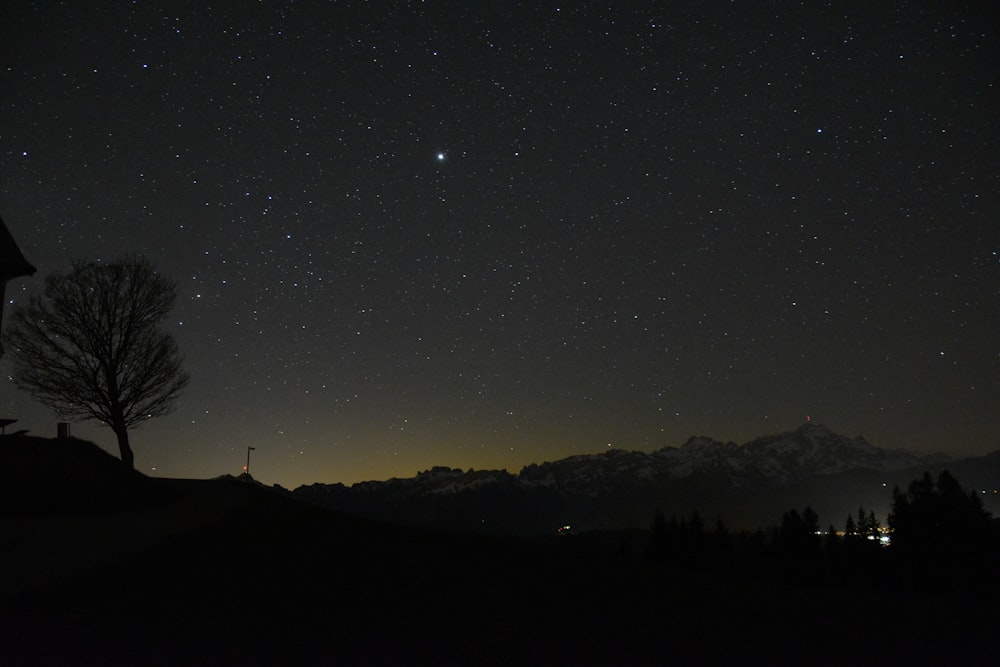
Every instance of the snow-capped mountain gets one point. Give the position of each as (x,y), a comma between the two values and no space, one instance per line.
(808,451)
(615,489)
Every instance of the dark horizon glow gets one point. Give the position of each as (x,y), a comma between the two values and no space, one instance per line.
(482,237)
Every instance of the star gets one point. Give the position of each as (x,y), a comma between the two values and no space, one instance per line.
(441,157)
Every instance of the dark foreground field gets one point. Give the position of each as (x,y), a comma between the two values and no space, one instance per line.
(180,572)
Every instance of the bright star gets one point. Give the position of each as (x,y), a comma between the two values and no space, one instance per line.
(440,157)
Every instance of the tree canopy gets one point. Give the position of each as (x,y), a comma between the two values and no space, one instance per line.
(938,519)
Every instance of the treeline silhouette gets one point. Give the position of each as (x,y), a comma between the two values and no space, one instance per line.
(937,537)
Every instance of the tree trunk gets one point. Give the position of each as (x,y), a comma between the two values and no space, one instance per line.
(124,449)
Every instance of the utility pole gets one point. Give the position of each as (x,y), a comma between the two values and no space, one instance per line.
(246,468)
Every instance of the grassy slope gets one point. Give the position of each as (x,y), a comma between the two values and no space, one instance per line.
(223,572)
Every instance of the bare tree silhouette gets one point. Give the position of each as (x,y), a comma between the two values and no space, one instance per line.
(91,346)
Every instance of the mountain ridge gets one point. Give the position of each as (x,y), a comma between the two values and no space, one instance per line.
(742,483)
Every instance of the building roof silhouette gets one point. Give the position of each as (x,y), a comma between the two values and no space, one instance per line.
(12,262)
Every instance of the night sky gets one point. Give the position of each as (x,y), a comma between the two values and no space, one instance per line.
(485,235)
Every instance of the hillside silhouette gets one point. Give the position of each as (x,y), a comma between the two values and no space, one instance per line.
(67,476)
(104,567)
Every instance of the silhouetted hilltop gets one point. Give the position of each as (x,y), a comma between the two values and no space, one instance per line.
(229,572)
(66,475)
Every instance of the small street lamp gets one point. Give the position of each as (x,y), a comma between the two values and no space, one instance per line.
(246,468)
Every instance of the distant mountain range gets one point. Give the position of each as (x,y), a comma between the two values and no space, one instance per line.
(747,486)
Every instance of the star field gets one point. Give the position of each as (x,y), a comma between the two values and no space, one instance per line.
(416,234)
